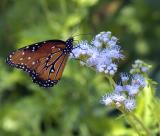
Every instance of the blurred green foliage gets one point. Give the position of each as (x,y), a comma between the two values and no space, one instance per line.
(72,107)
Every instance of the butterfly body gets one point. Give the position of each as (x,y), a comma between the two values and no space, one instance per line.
(44,61)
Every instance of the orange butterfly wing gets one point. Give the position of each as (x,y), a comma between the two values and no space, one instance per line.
(44,61)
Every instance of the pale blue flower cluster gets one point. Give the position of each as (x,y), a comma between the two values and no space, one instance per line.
(102,53)
(124,94)
(140,67)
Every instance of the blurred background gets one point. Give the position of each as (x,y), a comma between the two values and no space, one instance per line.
(72,107)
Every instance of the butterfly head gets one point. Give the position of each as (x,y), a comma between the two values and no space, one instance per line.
(70,41)
(69,45)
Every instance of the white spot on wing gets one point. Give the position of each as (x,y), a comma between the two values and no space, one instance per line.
(33,63)
(29,58)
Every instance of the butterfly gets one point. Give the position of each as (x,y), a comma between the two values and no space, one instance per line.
(44,61)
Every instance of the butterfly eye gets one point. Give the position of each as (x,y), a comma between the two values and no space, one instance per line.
(44,61)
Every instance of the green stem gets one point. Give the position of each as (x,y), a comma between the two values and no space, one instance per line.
(133,125)
(111,81)
(140,123)
(129,117)
(130,121)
